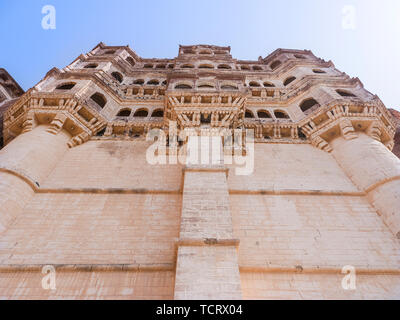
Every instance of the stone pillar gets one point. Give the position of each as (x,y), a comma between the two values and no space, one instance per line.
(207,259)
(24,164)
(375,170)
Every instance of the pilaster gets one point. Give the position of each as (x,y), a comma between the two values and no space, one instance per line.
(207,257)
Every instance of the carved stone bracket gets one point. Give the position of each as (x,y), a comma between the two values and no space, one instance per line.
(79,139)
(374,131)
(347,129)
(320,143)
(29,122)
(57,123)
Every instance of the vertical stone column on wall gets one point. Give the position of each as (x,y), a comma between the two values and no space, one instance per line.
(24,163)
(207,261)
(374,169)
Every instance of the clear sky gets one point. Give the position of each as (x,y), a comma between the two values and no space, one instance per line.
(362,37)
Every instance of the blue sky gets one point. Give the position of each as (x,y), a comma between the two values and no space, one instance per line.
(369,51)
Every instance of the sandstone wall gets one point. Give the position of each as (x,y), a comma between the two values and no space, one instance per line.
(94,229)
(283,286)
(298,217)
(298,167)
(121,285)
(113,164)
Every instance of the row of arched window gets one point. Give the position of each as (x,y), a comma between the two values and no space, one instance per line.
(204,52)
(158,66)
(267,84)
(286,82)
(256,84)
(276,63)
(206,66)
(311,104)
(306,105)
(186,86)
(152,82)
(140,113)
(264,114)
(132,62)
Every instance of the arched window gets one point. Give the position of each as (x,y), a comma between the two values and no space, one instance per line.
(289,81)
(117,76)
(153,82)
(157,113)
(205,119)
(148,66)
(66,86)
(91,66)
(161,66)
(281,115)
(187,66)
(249,114)
(268,84)
(130,61)
(229,87)
(99,99)
(275,64)
(141,113)
(308,104)
(263,114)
(345,93)
(205,52)
(124,113)
(318,71)
(188,51)
(257,68)
(183,86)
(224,66)
(164,83)
(254,84)
(171,66)
(138,81)
(205,86)
(299,56)
(244,67)
(109,52)
(206,66)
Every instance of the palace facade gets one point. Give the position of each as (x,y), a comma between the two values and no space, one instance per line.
(86,213)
